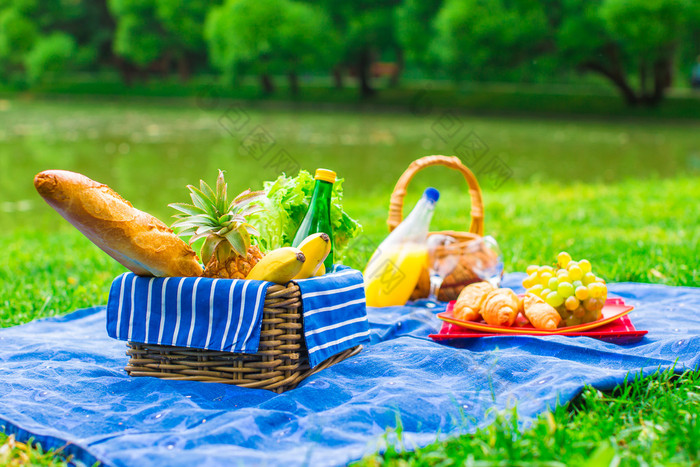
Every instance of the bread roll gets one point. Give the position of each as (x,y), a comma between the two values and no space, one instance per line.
(134,238)
(539,313)
(470,299)
(501,307)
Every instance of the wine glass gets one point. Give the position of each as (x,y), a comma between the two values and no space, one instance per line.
(488,265)
(442,260)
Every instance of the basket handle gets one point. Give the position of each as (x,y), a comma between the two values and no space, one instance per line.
(397,197)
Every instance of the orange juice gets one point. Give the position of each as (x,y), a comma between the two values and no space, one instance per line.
(391,275)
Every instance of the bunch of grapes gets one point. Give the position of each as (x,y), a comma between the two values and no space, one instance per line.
(570,287)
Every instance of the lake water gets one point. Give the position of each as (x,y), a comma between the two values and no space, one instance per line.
(150,151)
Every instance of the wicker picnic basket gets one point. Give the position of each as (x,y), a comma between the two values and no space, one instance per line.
(464,273)
(280,364)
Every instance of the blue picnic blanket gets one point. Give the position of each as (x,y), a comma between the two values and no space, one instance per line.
(62,381)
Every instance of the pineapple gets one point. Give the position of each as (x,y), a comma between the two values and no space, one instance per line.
(227,251)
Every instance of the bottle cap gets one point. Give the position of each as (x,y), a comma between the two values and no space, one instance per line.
(432,194)
(325,175)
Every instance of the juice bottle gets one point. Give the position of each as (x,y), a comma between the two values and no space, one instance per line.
(392,273)
(318,216)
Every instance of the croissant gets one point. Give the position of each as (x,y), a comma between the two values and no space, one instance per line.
(470,299)
(501,307)
(541,314)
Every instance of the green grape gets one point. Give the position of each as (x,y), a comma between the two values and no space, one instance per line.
(588,278)
(573,321)
(545,292)
(544,278)
(575,273)
(563,259)
(577,284)
(594,315)
(553,283)
(585,265)
(548,269)
(599,279)
(572,303)
(581,292)
(565,289)
(592,289)
(591,304)
(536,289)
(571,265)
(554,299)
(596,290)
(530,280)
(563,275)
(604,293)
(531,269)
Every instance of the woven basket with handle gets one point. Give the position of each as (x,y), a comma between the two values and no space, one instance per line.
(281,362)
(464,273)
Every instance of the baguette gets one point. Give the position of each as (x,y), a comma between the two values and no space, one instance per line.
(136,239)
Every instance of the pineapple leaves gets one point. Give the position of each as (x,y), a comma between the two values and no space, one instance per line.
(245,198)
(239,240)
(209,247)
(221,192)
(187,232)
(250,210)
(207,191)
(225,218)
(187,209)
(213,217)
(200,220)
(252,230)
(201,200)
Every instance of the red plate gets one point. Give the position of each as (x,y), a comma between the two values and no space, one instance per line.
(614,326)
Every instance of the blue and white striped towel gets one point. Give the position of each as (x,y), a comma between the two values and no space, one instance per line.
(335,313)
(226,315)
(197,312)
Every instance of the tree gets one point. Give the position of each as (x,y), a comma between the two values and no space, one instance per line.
(42,38)
(479,38)
(627,42)
(415,29)
(690,47)
(154,34)
(50,54)
(367,29)
(632,43)
(268,37)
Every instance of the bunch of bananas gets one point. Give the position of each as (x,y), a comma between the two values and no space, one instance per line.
(288,263)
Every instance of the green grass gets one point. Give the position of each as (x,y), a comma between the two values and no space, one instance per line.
(648,421)
(620,193)
(15,454)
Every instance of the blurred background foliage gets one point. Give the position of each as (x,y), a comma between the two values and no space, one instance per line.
(639,48)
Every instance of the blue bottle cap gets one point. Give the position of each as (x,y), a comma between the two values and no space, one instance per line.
(432,194)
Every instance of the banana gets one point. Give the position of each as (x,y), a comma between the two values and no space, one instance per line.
(321,270)
(278,266)
(316,248)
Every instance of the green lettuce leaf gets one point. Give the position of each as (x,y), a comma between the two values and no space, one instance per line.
(286,202)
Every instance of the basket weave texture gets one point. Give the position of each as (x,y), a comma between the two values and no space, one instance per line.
(280,364)
(465,272)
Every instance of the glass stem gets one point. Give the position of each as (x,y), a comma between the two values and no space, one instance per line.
(435,283)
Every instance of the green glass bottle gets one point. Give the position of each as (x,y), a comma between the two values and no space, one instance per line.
(318,216)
